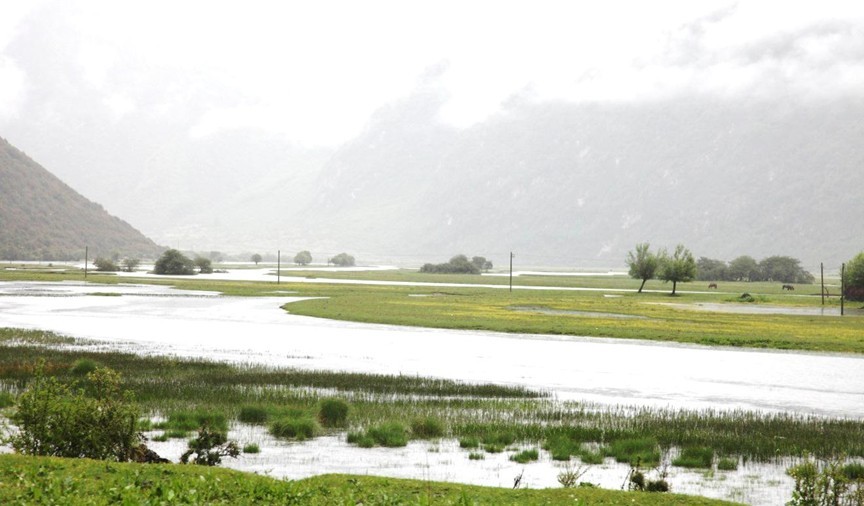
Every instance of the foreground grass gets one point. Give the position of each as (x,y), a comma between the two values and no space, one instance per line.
(41,480)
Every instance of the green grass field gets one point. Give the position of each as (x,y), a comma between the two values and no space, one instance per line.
(42,480)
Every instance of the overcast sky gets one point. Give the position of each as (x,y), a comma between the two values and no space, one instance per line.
(315,70)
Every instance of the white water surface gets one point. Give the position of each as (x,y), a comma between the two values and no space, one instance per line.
(159,320)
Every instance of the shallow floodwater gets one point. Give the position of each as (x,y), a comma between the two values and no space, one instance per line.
(159,320)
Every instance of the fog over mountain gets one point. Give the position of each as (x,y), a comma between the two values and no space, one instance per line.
(566,135)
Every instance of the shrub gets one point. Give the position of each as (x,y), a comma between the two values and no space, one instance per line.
(294,428)
(83,366)
(93,419)
(105,265)
(427,428)
(209,448)
(333,413)
(255,415)
(174,262)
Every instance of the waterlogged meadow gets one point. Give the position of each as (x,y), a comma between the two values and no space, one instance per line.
(482,425)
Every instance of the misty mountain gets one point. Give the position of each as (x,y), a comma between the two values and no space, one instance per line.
(43,218)
(566,184)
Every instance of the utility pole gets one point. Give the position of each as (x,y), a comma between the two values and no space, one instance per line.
(86,260)
(511,270)
(278,265)
(822,276)
(842,287)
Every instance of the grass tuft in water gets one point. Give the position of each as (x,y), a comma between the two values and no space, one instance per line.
(251,448)
(525,456)
(727,464)
(427,428)
(388,434)
(644,451)
(469,442)
(253,415)
(294,428)
(83,366)
(333,413)
(695,458)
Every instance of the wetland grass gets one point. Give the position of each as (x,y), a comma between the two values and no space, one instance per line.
(695,458)
(526,456)
(187,393)
(295,427)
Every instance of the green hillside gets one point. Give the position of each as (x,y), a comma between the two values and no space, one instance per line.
(41,218)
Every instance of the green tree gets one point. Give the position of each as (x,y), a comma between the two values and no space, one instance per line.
(457,265)
(678,268)
(854,278)
(92,419)
(209,448)
(643,264)
(744,268)
(204,265)
(481,263)
(303,258)
(130,264)
(173,262)
(105,264)
(256,258)
(342,260)
(709,269)
(784,269)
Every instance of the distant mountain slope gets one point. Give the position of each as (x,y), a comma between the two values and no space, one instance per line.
(568,184)
(41,218)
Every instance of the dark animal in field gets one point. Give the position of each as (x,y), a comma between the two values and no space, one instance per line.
(712,285)
(788,287)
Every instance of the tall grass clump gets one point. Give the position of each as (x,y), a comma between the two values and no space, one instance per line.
(388,434)
(333,413)
(525,456)
(727,464)
(254,415)
(6,400)
(695,457)
(294,428)
(427,428)
(193,420)
(636,450)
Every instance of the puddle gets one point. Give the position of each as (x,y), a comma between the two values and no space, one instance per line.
(573,312)
(761,309)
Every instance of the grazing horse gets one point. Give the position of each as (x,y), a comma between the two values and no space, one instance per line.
(788,287)
(712,285)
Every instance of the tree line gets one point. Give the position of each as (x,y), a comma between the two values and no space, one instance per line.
(680,266)
(459,265)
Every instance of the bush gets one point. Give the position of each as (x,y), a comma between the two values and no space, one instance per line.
(333,413)
(105,265)
(83,367)
(427,428)
(251,448)
(209,448)
(854,278)
(342,260)
(294,428)
(93,419)
(457,265)
(173,262)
